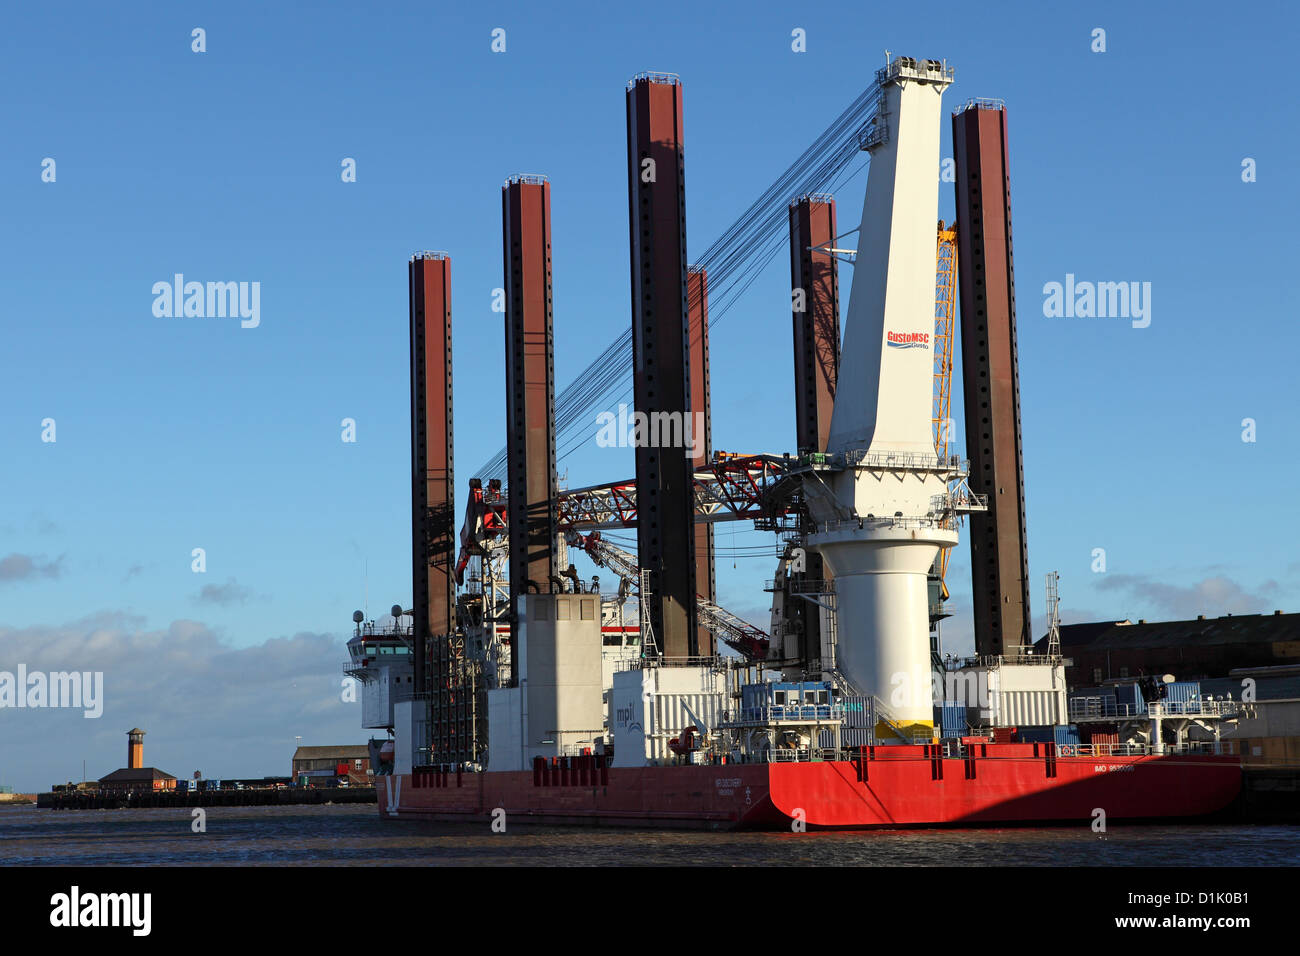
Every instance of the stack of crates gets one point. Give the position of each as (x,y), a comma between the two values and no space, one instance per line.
(857,721)
(1128,699)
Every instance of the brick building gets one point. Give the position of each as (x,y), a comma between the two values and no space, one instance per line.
(135,775)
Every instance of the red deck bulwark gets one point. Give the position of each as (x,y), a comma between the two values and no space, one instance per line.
(900,790)
(709,797)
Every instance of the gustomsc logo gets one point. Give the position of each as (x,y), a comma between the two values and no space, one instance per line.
(908,340)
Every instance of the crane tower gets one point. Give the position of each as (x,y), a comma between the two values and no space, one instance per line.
(881,518)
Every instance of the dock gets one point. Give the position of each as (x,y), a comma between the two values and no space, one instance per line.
(1270,795)
(264,797)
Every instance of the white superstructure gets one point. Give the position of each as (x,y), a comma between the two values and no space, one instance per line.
(651,708)
(558,707)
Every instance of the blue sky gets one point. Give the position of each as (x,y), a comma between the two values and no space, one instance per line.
(177,433)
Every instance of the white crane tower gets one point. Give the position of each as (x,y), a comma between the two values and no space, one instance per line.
(884,511)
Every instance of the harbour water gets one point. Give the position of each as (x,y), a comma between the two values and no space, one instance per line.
(353,835)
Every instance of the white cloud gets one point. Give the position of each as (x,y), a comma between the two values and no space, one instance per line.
(205,705)
(224,595)
(1211,596)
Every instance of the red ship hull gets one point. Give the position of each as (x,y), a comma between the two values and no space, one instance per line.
(904,786)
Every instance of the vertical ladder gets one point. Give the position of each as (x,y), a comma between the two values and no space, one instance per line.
(1053,614)
(648,646)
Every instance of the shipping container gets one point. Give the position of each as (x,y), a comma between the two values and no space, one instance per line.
(952,720)
(856,737)
(1091,704)
(1183,691)
(754,696)
(857,712)
(1036,735)
(1129,699)
(1066,734)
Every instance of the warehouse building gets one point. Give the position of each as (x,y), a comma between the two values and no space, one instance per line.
(323,766)
(1190,650)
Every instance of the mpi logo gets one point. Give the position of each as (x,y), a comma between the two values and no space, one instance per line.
(908,340)
(623,718)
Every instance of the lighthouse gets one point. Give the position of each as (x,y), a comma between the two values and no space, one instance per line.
(134,749)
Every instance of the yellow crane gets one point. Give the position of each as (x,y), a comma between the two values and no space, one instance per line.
(945,309)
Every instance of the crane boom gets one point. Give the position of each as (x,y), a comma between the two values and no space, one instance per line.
(744,638)
(945,305)
(729,487)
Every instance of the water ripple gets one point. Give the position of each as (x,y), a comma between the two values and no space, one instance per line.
(354,835)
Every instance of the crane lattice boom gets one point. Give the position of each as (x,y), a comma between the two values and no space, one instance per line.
(744,638)
(945,306)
